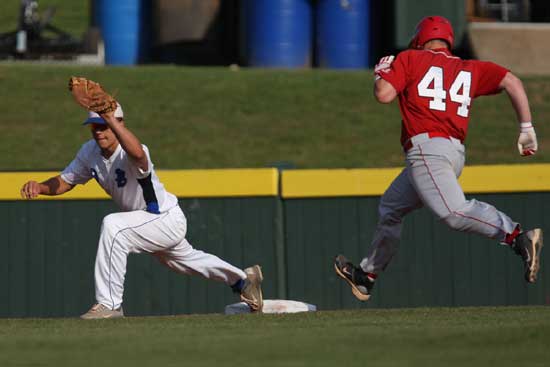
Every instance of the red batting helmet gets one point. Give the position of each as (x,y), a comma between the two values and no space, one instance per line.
(430,28)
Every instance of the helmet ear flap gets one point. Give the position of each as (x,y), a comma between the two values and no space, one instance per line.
(413,43)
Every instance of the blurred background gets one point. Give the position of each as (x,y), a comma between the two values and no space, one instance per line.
(348,34)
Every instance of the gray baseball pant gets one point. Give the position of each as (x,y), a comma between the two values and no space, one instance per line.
(430,179)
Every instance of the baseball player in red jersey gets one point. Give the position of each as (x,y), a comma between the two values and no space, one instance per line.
(435,91)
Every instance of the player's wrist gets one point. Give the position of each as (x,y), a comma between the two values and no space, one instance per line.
(43,189)
(109,117)
(526,127)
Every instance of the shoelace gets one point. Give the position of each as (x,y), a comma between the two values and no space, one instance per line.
(98,307)
(348,269)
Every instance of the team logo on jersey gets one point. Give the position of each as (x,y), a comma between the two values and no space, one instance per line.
(120,179)
(94,174)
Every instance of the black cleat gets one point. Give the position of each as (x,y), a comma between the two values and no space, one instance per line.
(358,280)
(528,245)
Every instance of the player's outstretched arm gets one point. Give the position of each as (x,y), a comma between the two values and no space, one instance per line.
(52,186)
(130,143)
(514,88)
(527,141)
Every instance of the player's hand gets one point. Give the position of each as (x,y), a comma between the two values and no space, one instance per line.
(383,66)
(108,116)
(527,141)
(30,190)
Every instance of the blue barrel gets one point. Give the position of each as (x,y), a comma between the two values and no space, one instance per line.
(125,30)
(343,35)
(278,33)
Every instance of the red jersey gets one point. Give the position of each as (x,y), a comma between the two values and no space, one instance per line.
(436,90)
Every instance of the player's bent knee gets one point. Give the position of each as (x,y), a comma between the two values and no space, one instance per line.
(110,223)
(388,216)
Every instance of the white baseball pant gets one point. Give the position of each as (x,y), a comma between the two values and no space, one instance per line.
(431,179)
(161,235)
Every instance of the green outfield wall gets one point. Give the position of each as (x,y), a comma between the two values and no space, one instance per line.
(292,223)
(434,266)
(48,254)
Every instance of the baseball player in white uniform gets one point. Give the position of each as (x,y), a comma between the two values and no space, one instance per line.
(150,220)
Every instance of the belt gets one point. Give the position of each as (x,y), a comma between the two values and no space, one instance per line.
(421,138)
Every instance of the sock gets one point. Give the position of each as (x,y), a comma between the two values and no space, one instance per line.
(510,237)
(238,286)
(372,277)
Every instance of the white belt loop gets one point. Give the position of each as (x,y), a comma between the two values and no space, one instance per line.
(419,139)
(456,141)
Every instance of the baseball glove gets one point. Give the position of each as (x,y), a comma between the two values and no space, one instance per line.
(91,95)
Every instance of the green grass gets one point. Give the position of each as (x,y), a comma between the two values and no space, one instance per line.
(71,16)
(217,118)
(516,336)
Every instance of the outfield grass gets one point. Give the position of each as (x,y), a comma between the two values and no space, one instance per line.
(216,118)
(500,337)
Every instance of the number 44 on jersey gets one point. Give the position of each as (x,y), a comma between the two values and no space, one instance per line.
(459,91)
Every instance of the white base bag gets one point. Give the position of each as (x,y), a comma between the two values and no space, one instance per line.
(272,306)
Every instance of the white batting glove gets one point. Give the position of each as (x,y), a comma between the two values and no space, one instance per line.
(527,141)
(383,66)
